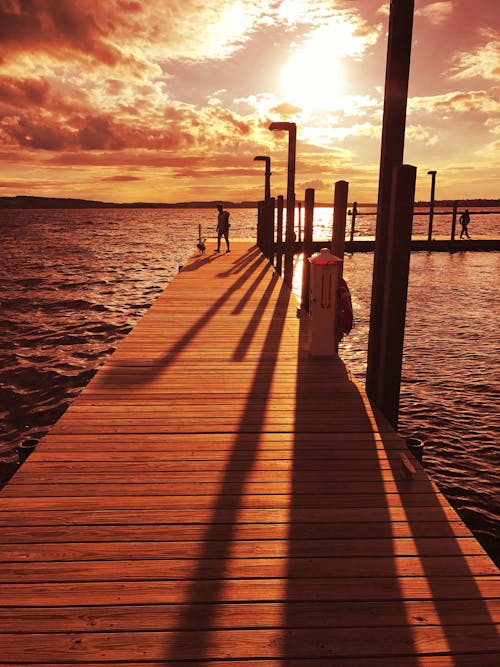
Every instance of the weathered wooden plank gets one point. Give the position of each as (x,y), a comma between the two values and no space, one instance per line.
(245,615)
(256,590)
(382,518)
(211,561)
(341,538)
(254,643)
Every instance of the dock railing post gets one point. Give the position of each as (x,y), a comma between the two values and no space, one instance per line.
(307,248)
(391,155)
(268,234)
(431,204)
(339,219)
(397,270)
(299,211)
(279,235)
(454,220)
(353,220)
(260,216)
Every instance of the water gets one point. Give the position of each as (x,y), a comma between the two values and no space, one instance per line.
(74,282)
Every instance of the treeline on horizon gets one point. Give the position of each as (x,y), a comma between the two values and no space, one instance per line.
(26,201)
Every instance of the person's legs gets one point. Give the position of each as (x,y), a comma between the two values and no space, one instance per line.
(219,236)
(226,236)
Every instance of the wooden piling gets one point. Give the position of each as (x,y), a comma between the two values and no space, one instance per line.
(339,219)
(279,235)
(393,135)
(397,269)
(431,204)
(454,220)
(269,206)
(308,248)
(299,207)
(353,220)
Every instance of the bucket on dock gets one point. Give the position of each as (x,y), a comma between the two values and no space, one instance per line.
(416,447)
(26,448)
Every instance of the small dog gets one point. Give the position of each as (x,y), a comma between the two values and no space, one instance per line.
(201,247)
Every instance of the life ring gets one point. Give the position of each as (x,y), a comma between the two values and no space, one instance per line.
(345,315)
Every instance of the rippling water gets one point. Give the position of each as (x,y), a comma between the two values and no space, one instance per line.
(73,282)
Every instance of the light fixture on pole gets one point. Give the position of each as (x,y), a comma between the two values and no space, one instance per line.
(267,175)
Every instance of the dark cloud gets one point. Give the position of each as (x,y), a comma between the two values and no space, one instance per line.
(121,178)
(99,133)
(52,25)
(39,135)
(22,93)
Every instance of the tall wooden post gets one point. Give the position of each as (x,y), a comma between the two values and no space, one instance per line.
(268,228)
(391,155)
(260,225)
(308,247)
(299,207)
(454,220)
(279,235)
(353,220)
(397,270)
(339,219)
(431,204)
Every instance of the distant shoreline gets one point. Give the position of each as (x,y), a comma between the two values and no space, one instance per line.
(28,202)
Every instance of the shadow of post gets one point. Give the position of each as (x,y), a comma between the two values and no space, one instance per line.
(219,536)
(374,568)
(342,578)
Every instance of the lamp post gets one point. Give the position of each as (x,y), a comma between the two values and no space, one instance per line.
(431,205)
(290,196)
(267,175)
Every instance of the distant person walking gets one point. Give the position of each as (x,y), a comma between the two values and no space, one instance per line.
(222,227)
(464,221)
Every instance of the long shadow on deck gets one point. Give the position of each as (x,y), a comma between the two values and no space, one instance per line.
(367,574)
(219,536)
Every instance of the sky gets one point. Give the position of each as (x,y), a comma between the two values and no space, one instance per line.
(170,100)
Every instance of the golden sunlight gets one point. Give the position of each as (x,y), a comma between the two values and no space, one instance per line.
(312,78)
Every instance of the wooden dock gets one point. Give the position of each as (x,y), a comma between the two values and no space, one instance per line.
(420,243)
(215,496)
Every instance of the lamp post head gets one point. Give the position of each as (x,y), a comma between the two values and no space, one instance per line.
(433,171)
(281,126)
(261,157)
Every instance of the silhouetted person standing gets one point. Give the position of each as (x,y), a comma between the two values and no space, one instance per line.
(222,227)
(464,221)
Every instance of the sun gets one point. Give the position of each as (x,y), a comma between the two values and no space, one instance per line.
(313,77)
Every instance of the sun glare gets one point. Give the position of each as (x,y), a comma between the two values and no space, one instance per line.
(312,78)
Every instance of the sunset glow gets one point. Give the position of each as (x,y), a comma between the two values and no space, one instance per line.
(170,101)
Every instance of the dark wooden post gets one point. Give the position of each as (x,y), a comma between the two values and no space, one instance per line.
(353,220)
(339,219)
(391,155)
(269,229)
(279,236)
(454,220)
(397,270)
(260,215)
(308,247)
(431,204)
(299,205)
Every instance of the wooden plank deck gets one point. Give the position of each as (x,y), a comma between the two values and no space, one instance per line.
(217,497)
